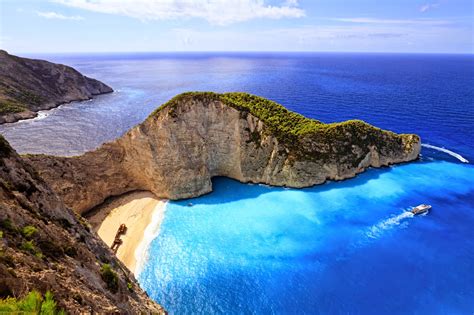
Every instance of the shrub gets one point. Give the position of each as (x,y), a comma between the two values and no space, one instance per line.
(49,306)
(33,303)
(110,277)
(7,107)
(28,98)
(29,246)
(29,231)
(7,225)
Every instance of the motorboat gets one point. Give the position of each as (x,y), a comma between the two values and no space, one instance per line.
(420,209)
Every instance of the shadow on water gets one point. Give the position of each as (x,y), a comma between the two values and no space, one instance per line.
(231,190)
(222,184)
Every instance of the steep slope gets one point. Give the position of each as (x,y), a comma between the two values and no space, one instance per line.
(45,246)
(28,85)
(195,136)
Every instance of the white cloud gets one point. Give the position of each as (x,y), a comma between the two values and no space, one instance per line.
(356,38)
(426,7)
(59,16)
(220,12)
(340,37)
(362,20)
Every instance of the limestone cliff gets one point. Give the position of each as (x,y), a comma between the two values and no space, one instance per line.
(29,85)
(45,246)
(195,136)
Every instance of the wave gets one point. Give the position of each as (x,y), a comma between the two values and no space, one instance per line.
(453,154)
(376,230)
(151,232)
(41,115)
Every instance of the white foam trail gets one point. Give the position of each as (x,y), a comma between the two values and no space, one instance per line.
(151,232)
(42,114)
(376,230)
(453,154)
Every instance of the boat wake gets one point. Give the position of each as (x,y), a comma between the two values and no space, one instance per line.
(376,230)
(453,154)
(371,234)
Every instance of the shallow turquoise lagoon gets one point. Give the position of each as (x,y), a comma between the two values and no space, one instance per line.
(346,247)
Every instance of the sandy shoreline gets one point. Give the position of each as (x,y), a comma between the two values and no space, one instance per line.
(142,213)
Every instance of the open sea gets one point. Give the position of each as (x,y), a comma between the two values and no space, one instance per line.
(345,247)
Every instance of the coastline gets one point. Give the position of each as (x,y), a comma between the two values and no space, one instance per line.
(142,213)
(11,118)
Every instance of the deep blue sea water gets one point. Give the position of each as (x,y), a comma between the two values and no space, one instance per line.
(341,248)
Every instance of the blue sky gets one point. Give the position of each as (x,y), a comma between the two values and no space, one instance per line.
(36,26)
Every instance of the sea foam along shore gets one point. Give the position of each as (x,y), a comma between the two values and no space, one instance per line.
(142,213)
(151,232)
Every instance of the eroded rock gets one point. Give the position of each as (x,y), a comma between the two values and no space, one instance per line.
(181,146)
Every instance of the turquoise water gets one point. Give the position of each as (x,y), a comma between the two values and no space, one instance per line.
(341,248)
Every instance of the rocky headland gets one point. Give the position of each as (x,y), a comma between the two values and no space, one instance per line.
(29,85)
(176,151)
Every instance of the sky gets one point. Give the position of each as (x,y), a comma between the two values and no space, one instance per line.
(58,26)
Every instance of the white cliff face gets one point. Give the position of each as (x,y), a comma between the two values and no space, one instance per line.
(177,151)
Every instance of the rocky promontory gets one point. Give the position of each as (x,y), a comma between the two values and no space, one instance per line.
(176,151)
(29,85)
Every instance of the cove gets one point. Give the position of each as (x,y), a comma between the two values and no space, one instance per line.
(343,247)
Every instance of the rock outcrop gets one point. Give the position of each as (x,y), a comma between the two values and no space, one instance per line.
(29,85)
(195,136)
(45,246)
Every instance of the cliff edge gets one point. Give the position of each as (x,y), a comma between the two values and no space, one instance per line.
(29,85)
(176,151)
(45,246)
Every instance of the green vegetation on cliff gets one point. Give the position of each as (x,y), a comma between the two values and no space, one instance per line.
(8,107)
(279,119)
(32,303)
(287,126)
(17,100)
(110,277)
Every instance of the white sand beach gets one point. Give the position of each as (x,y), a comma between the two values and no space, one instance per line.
(142,213)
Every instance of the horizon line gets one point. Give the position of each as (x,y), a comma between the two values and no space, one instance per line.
(238,52)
